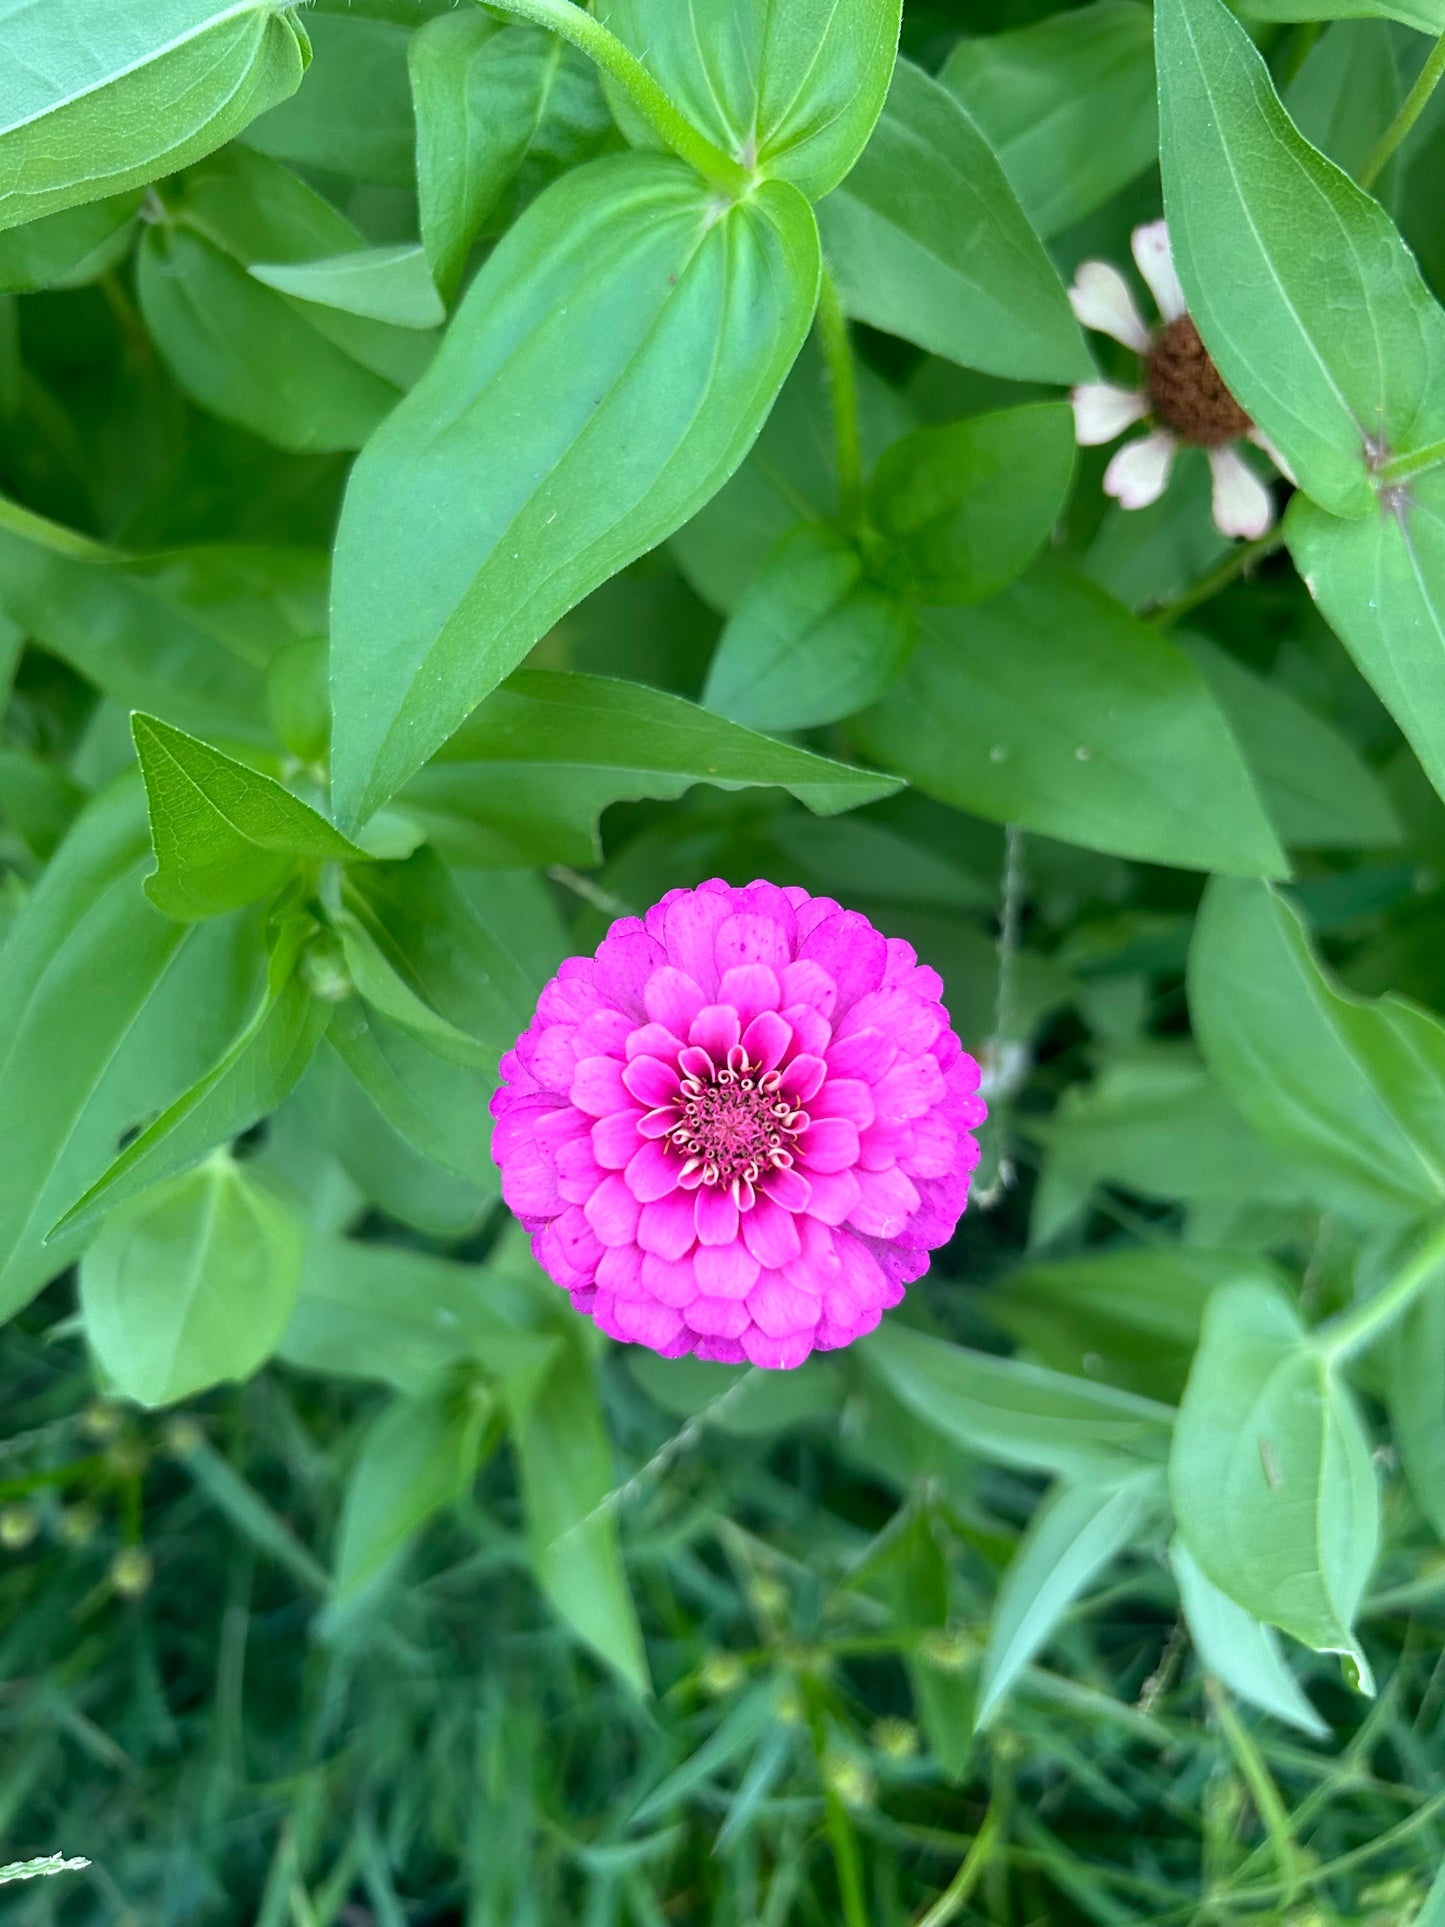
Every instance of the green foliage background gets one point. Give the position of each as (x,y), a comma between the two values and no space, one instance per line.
(465,471)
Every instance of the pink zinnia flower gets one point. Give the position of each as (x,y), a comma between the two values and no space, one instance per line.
(741,1127)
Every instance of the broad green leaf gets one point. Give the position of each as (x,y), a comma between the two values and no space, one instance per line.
(69,249)
(223,833)
(191,1283)
(496,495)
(298,701)
(487,98)
(257,1070)
(1271,1476)
(1428,16)
(1070,1539)
(419,1454)
(565,1463)
(1347,92)
(1379,580)
(1020,1414)
(927,240)
(1145,557)
(793,91)
(1352,1090)
(301,374)
(187,634)
(1317,790)
(526,779)
(1416,1392)
(37,800)
(1239,1649)
(107,1009)
(968,506)
(387,284)
(352,114)
(1050,706)
(439,1107)
(97,100)
(811,641)
(1306,297)
(1041,95)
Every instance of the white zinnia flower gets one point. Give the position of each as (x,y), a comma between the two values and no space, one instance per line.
(1181,394)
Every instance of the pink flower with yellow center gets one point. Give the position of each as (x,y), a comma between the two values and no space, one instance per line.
(740,1129)
(1180,393)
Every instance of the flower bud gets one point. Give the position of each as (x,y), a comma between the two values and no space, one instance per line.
(18,1527)
(131,1572)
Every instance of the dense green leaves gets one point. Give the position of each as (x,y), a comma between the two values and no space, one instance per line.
(1271,1474)
(93,102)
(927,240)
(1304,293)
(191,1283)
(496,496)
(1052,707)
(526,779)
(793,91)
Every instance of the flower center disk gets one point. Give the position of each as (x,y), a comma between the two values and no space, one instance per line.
(737,1124)
(1188,391)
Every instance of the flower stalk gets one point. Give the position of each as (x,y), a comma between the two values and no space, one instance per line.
(1354,1331)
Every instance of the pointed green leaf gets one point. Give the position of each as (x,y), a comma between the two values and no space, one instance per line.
(927,240)
(224,834)
(69,249)
(388,284)
(497,495)
(1239,1649)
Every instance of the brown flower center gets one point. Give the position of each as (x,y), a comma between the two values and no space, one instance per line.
(738,1126)
(1188,391)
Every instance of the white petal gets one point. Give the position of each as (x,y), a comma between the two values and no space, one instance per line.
(1102,411)
(1101,299)
(1263,442)
(1139,473)
(1242,503)
(1154,259)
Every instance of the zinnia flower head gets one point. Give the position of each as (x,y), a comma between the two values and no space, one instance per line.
(741,1127)
(1180,392)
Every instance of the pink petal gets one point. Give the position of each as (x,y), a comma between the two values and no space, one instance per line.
(643,1321)
(812,1033)
(806,982)
(829,1144)
(746,939)
(652,1174)
(790,1189)
(691,923)
(720,1351)
(1101,299)
(578,1172)
(673,1280)
(718,1317)
(658,1123)
(1102,410)
(667,1226)
(750,989)
(803,1077)
(776,1354)
(598,1089)
(651,1081)
(551,1055)
(766,1038)
(888,1201)
(619,1270)
(909,1090)
(779,1308)
(615,1139)
(725,1271)
(853,953)
(865,1053)
(1139,473)
(1243,506)
(715,1029)
(653,1040)
(578,1243)
(626,958)
(1154,258)
(717,1215)
(770,1233)
(846,1097)
(603,1033)
(834,1195)
(673,998)
(612,1211)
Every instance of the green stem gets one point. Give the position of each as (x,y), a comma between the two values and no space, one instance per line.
(956,1894)
(1354,1330)
(843,385)
(1414,462)
(1219,577)
(1410,111)
(603,47)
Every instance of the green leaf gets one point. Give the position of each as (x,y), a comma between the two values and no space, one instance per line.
(734,1738)
(1050,706)
(1271,1475)
(94,102)
(352,115)
(1352,1090)
(1317,790)
(302,375)
(1240,1650)
(37,800)
(1307,299)
(419,1454)
(107,1009)
(497,495)
(1041,94)
(526,779)
(926,239)
(1070,1539)
(791,90)
(257,1070)
(1020,1414)
(441,1108)
(1416,1391)
(811,641)
(1379,580)
(191,1283)
(187,634)
(564,1460)
(388,284)
(969,505)
(1428,16)
(224,834)
(486,97)
(69,249)
(1347,92)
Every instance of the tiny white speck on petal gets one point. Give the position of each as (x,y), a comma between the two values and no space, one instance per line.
(1101,299)
(1139,473)
(1154,259)
(1242,504)
(1102,411)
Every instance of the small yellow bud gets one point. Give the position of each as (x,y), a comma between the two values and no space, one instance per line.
(849,1779)
(131,1572)
(722,1673)
(896,1739)
(949,1648)
(767,1596)
(78,1523)
(127,1457)
(101,1420)
(182,1436)
(18,1527)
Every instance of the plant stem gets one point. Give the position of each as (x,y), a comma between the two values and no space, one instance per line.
(1353,1330)
(1413,462)
(843,386)
(1411,109)
(603,47)
(955,1895)
(1219,577)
